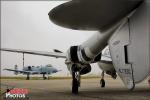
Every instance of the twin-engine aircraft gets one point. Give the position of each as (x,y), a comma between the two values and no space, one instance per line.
(35,70)
(124,25)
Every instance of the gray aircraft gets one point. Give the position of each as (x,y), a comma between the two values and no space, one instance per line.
(34,70)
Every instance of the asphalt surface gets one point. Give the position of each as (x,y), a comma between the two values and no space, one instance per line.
(60,89)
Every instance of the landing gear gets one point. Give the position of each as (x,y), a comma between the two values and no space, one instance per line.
(75,79)
(28,77)
(114,75)
(149,80)
(44,78)
(102,81)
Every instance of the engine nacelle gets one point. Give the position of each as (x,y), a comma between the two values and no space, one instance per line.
(76,54)
(83,69)
(90,49)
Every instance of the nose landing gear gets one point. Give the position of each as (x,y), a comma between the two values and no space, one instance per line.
(28,76)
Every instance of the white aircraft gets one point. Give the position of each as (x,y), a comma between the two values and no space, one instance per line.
(34,70)
(121,24)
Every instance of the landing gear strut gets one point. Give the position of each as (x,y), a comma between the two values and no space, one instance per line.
(75,79)
(44,78)
(102,81)
(28,77)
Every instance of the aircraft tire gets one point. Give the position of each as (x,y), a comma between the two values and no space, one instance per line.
(102,83)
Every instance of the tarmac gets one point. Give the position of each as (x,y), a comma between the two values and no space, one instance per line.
(60,89)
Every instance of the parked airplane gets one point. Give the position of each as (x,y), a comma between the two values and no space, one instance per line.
(34,70)
(121,24)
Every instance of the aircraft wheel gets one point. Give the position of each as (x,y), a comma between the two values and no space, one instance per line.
(45,78)
(75,83)
(28,77)
(149,81)
(102,83)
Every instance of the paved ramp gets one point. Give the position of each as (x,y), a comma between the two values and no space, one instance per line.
(60,89)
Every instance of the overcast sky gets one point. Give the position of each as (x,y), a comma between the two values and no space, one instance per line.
(26,25)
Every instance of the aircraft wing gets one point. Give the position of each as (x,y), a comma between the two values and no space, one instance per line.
(18,71)
(21,71)
(42,53)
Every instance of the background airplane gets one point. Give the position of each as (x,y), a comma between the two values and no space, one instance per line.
(35,70)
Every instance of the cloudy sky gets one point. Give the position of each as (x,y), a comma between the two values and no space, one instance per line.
(26,25)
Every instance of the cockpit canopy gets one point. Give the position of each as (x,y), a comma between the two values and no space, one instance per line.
(48,65)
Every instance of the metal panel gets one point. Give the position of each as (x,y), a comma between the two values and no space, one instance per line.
(130,47)
(139,48)
(118,47)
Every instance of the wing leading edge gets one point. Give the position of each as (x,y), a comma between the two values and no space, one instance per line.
(22,71)
(42,53)
(18,71)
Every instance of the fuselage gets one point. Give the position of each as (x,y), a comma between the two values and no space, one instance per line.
(40,69)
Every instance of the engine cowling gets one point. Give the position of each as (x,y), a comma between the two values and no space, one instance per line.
(75,55)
